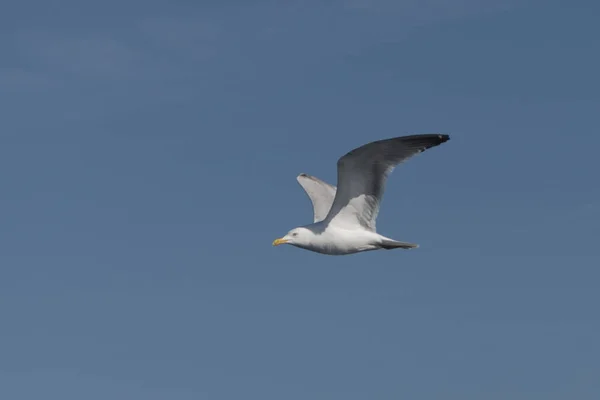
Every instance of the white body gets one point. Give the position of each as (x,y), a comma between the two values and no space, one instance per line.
(338,241)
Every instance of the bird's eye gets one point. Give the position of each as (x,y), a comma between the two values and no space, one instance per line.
(295,234)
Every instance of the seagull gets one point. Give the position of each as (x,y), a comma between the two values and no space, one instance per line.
(344,217)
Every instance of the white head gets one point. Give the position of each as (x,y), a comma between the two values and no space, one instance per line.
(300,237)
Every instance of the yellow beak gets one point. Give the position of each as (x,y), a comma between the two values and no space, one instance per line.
(277,242)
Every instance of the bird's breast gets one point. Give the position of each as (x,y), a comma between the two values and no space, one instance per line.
(340,242)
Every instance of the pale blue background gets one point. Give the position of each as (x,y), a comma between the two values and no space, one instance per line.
(148,155)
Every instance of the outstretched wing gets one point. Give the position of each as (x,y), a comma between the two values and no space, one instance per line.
(362,174)
(321,194)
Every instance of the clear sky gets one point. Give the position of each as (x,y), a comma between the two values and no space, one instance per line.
(148,155)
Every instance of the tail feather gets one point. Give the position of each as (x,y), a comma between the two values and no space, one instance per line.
(389,244)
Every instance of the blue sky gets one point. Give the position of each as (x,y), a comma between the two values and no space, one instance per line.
(148,155)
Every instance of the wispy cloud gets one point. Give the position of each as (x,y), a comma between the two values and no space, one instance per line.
(428,9)
(181,32)
(84,56)
(22,79)
(151,46)
(148,49)
(398,17)
(156,50)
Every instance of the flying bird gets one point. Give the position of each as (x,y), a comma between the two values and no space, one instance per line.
(344,217)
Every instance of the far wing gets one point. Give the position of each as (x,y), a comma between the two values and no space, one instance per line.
(362,174)
(321,194)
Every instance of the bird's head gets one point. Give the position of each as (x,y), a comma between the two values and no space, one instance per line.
(297,237)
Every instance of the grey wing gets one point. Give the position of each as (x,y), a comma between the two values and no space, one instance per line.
(362,174)
(321,195)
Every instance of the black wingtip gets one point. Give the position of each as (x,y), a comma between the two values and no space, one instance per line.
(428,140)
(444,138)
